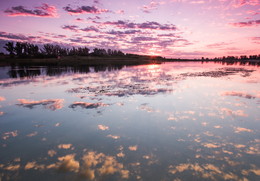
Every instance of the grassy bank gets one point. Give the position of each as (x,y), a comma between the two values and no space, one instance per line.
(83,60)
(108,60)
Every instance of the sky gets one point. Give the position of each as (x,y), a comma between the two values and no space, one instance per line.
(169,28)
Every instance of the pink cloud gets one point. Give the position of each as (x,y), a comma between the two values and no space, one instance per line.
(252,12)
(256,40)
(246,24)
(240,3)
(197,2)
(230,112)
(103,127)
(120,12)
(239,130)
(2,99)
(45,11)
(152,6)
(218,45)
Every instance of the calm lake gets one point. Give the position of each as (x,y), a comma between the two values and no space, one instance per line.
(174,121)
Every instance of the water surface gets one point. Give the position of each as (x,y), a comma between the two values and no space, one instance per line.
(174,121)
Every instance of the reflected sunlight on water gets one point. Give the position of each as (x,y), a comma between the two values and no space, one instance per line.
(174,121)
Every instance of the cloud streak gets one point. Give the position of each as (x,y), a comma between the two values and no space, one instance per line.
(75,28)
(240,3)
(152,6)
(45,10)
(239,94)
(149,25)
(15,37)
(246,23)
(84,10)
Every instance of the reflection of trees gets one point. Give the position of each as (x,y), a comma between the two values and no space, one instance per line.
(24,71)
(237,62)
(101,68)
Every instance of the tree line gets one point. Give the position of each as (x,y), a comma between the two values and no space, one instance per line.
(26,50)
(234,58)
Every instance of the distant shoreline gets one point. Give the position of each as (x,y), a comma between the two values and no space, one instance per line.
(106,60)
(50,54)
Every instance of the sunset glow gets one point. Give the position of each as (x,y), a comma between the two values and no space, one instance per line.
(169,28)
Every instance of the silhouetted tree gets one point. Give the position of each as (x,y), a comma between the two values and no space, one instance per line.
(9,46)
(50,50)
(25,49)
(99,52)
(18,49)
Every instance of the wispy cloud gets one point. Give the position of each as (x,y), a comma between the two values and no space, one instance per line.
(239,94)
(239,130)
(256,39)
(127,32)
(218,45)
(149,25)
(198,2)
(45,10)
(84,10)
(152,6)
(15,37)
(246,23)
(239,3)
(75,28)
(70,27)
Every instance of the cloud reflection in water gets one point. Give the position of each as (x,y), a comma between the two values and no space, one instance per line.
(196,128)
(51,104)
(86,105)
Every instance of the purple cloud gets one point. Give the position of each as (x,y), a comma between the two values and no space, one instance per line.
(96,1)
(168,35)
(89,29)
(70,27)
(41,39)
(143,38)
(94,18)
(43,11)
(15,37)
(75,28)
(85,10)
(246,24)
(151,25)
(128,32)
